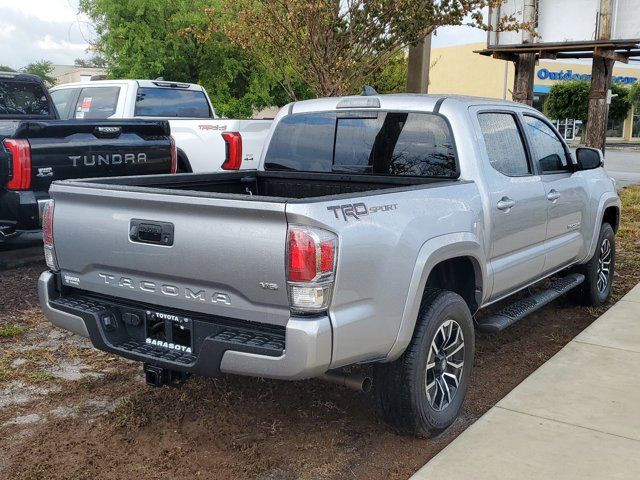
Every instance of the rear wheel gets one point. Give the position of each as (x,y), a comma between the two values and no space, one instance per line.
(421,393)
(598,271)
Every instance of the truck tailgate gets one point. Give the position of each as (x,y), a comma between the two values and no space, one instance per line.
(224,251)
(83,149)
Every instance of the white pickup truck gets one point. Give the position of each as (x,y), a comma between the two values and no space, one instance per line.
(206,143)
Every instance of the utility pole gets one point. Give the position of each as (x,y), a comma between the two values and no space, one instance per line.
(418,66)
(601,72)
(526,62)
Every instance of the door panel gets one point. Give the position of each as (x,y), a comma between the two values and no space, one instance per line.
(518,234)
(566,215)
(517,204)
(565,193)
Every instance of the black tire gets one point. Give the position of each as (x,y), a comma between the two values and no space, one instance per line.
(183,165)
(401,386)
(590,292)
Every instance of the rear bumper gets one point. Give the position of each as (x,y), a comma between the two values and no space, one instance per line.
(305,351)
(21,210)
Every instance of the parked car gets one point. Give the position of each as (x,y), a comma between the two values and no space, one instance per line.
(206,143)
(36,148)
(373,231)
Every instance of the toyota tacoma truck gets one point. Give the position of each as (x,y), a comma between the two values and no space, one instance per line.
(36,148)
(374,230)
(205,142)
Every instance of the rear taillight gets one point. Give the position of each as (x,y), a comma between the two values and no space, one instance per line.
(47,236)
(21,164)
(233,147)
(311,264)
(174,155)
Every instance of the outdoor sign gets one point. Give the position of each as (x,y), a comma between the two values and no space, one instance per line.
(546,74)
(567,21)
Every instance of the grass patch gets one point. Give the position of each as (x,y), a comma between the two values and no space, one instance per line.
(39,376)
(32,365)
(11,330)
(628,238)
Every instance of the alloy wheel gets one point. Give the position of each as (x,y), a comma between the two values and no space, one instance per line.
(604,265)
(445,363)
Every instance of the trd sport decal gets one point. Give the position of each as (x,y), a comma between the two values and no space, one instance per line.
(359,210)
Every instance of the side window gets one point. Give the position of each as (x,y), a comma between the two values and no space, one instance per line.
(504,144)
(61,99)
(547,148)
(97,103)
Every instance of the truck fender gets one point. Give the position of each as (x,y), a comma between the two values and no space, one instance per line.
(608,199)
(432,252)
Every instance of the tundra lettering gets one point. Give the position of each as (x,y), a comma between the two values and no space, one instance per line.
(108,159)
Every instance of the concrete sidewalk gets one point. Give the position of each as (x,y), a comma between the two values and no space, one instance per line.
(576,417)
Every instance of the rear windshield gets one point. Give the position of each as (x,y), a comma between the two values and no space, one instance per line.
(379,143)
(171,102)
(19,98)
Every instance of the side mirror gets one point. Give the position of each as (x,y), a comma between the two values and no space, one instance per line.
(589,158)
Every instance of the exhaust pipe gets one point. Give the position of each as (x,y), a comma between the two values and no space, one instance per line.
(360,383)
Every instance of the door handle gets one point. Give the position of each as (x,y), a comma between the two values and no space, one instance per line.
(505,203)
(553,195)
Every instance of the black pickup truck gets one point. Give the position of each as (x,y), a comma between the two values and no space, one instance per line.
(36,148)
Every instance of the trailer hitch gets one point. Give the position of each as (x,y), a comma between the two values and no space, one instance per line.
(158,376)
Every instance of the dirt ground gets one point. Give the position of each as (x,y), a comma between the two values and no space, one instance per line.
(68,411)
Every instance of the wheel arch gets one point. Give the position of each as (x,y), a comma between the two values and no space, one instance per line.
(458,253)
(608,210)
(611,216)
(184,165)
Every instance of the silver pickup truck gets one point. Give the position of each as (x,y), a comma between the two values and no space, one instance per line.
(373,231)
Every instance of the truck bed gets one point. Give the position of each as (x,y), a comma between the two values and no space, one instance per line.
(260,185)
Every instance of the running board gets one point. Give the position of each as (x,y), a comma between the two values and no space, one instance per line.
(520,309)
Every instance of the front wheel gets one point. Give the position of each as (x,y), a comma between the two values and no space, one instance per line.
(421,393)
(598,271)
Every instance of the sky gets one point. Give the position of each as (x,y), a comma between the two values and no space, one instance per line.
(32,30)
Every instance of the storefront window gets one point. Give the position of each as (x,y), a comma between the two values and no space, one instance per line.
(538,102)
(636,125)
(615,128)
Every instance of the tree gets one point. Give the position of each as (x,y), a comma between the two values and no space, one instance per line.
(634,94)
(159,38)
(95,61)
(41,68)
(393,76)
(335,46)
(570,99)
(5,68)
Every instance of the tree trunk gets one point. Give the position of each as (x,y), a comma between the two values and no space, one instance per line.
(601,70)
(523,84)
(596,135)
(418,66)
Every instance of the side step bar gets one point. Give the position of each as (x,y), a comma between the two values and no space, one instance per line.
(520,309)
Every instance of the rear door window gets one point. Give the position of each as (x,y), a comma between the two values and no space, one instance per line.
(97,103)
(23,98)
(62,99)
(504,145)
(379,143)
(171,102)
